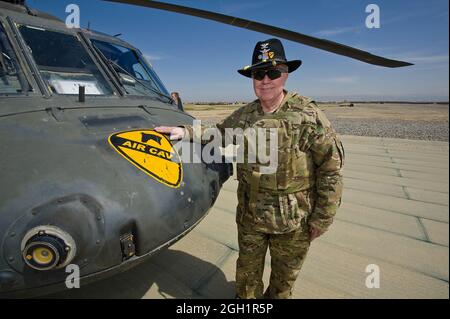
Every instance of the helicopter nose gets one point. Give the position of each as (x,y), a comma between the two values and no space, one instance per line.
(47,248)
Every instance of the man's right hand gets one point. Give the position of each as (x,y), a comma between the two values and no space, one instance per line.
(314,233)
(176,133)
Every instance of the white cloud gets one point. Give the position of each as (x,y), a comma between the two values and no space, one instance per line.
(338,30)
(151,57)
(385,21)
(421,58)
(341,79)
(429,59)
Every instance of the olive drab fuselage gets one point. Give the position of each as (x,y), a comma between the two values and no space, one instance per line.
(88,179)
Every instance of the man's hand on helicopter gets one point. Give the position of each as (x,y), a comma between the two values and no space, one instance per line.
(176,133)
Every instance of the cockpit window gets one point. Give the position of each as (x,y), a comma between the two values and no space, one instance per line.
(12,80)
(63,62)
(130,64)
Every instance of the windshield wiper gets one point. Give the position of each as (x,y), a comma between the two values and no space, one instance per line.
(141,82)
(115,66)
(3,68)
(6,51)
(108,62)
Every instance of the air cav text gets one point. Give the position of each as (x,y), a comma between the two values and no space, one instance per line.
(148,149)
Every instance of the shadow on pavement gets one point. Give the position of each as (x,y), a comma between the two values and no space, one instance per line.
(170,274)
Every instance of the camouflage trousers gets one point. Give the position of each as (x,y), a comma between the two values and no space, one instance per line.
(287,251)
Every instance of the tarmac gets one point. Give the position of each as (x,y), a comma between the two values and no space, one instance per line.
(393,224)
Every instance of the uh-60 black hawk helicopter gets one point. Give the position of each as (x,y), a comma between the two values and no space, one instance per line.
(84,179)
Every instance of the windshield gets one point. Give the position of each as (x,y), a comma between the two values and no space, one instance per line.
(12,80)
(130,63)
(64,62)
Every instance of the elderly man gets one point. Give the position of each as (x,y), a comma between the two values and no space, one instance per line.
(284,210)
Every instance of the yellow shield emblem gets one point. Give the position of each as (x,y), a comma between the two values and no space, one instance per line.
(152,153)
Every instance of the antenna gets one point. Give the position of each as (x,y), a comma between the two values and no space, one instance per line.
(81,94)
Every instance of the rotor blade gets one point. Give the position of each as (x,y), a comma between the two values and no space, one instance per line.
(322,44)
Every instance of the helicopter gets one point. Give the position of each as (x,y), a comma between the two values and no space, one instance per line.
(85,180)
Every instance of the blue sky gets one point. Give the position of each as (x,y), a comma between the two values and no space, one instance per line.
(199,58)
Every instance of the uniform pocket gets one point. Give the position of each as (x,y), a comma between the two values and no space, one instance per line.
(302,164)
(291,213)
(306,201)
(305,136)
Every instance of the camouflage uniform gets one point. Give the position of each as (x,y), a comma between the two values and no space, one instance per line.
(276,210)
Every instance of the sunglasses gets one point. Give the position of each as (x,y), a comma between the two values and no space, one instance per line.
(273,74)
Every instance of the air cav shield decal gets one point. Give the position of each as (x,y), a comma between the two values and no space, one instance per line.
(152,153)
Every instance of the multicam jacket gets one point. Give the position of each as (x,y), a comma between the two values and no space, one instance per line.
(307,185)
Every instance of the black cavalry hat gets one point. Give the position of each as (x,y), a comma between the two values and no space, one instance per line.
(266,54)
